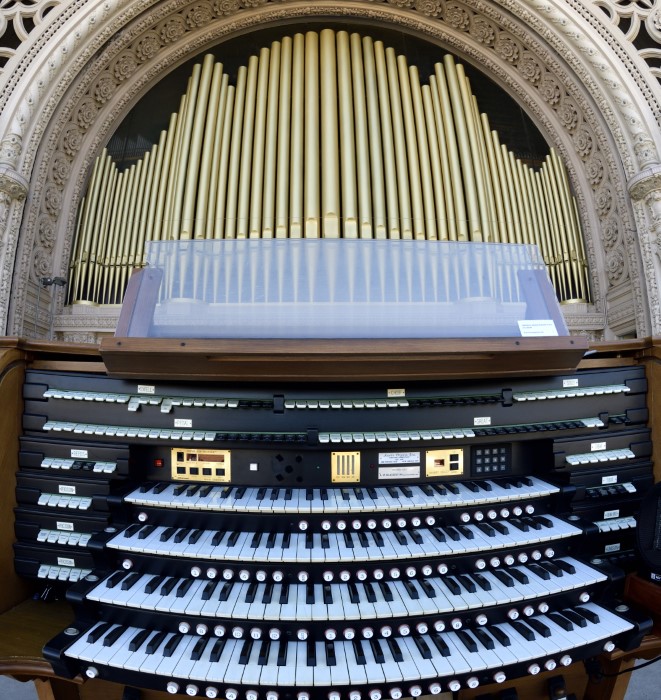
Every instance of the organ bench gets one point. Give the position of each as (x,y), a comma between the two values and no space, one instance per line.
(459,522)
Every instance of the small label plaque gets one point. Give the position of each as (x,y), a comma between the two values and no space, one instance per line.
(66,561)
(79,454)
(597,446)
(183,422)
(399,472)
(146,389)
(399,458)
(64,526)
(68,489)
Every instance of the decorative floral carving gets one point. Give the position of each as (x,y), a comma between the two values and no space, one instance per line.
(603,200)
(104,87)
(583,141)
(199,15)
(225,7)
(568,113)
(457,16)
(53,199)
(550,89)
(431,8)
(86,112)
(60,168)
(254,3)
(71,139)
(46,232)
(401,3)
(530,68)
(594,169)
(482,30)
(10,149)
(41,263)
(615,265)
(171,29)
(124,65)
(147,46)
(506,47)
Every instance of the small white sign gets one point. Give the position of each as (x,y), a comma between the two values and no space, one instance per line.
(597,446)
(64,526)
(612,479)
(396,393)
(66,488)
(537,329)
(399,458)
(183,422)
(65,561)
(608,514)
(146,389)
(399,472)
(612,548)
(569,383)
(79,454)
(482,420)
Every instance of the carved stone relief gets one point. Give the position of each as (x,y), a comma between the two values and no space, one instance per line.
(519,54)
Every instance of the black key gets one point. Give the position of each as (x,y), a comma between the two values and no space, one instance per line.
(178,490)
(168,586)
(523,630)
(328,594)
(354,596)
(263,656)
(428,589)
(183,587)
(358,493)
(467,583)
(423,647)
(233,538)
(504,578)
(167,533)
(539,627)
(466,532)
(426,489)
(500,636)
(208,590)
(159,488)
(268,593)
(370,593)
(552,568)
(309,495)
(377,651)
(563,622)
(217,650)
(153,584)
(442,490)
(275,494)
(416,536)
(192,490)
(540,571)
(172,645)
(146,531)
(155,642)
(442,647)
(348,539)
(486,486)
(394,493)
(309,541)
(256,540)
(309,593)
(181,535)
(483,638)
(519,524)
(411,590)
(589,615)
(251,592)
(378,538)
(471,486)
(518,575)
(438,534)
(500,527)
(130,581)
(467,640)
(261,493)
(406,491)
(205,491)
(363,539)
(217,538)
(137,641)
(284,594)
(199,647)
(270,540)
(146,487)
(325,542)
(345,494)
(395,649)
(288,494)
(246,649)
(453,533)
(311,653)
(531,522)
(113,635)
(225,591)
(566,566)
(358,652)
(386,591)
(115,579)
(452,585)
(547,522)
(401,537)
(482,582)
(487,529)
(331,659)
(282,653)
(286,540)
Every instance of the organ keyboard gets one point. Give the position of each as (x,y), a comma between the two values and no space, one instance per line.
(338,541)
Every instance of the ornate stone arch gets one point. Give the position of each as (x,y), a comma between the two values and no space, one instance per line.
(57,115)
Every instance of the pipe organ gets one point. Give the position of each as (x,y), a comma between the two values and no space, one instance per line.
(325,134)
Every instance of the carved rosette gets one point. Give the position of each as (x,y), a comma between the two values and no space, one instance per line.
(128,62)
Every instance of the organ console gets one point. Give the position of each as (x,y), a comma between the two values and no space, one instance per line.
(353,539)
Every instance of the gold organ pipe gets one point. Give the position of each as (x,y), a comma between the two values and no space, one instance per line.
(563,243)
(448,136)
(554,210)
(399,137)
(132,223)
(256,69)
(349,104)
(222,171)
(330,157)
(436,165)
(162,202)
(121,256)
(311,184)
(71,292)
(217,161)
(111,249)
(170,195)
(209,148)
(413,156)
(297,171)
(103,232)
(429,209)
(545,225)
(500,177)
(157,177)
(511,194)
(145,197)
(362,157)
(474,221)
(235,153)
(284,139)
(500,225)
(197,124)
(376,158)
(490,187)
(271,143)
(183,155)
